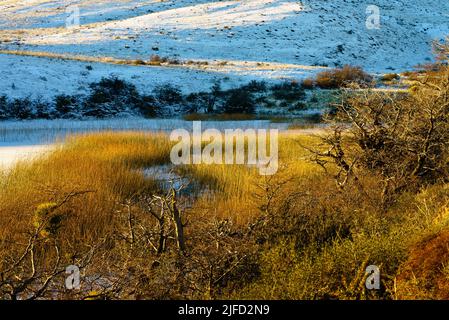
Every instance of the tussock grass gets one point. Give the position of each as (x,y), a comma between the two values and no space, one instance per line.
(103,164)
(237,187)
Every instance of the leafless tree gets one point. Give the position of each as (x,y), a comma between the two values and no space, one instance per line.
(403,138)
(30,276)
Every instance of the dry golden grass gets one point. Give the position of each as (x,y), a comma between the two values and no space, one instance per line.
(338,78)
(104,164)
(107,164)
(237,186)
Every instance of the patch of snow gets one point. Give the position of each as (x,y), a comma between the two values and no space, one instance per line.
(24,76)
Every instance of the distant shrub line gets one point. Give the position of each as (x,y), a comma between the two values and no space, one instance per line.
(114,97)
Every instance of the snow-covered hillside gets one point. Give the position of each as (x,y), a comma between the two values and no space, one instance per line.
(239,39)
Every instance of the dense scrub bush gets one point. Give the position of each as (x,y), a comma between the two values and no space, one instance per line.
(109,97)
(316,217)
(113,96)
(25,109)
(317,240)
(4,108)
(239,101)
(21,108)
(402,137)
(168,94)
(201,102)
(66,105)
(147,106)
(43,109)
(308,83)
(255,86)
(288,91)
(340,78)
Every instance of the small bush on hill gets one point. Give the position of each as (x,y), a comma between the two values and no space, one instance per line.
(65,105)
(308,83)
(168,94)
(111,96)
(157,60)
(21,108)
(239,101)
(340,78)
(288,91)
(4,108)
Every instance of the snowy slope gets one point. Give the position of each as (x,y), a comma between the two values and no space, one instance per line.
(246,33)
(25,76)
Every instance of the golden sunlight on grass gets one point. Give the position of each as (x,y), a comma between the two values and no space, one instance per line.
(100,164)
(107,165)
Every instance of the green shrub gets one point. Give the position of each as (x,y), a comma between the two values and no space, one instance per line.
(4,108)
(288,91)
(65,104)
(255,86)
(168,94)
(21,108)
(239,101)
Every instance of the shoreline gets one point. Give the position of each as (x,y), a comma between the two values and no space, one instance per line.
(11,155)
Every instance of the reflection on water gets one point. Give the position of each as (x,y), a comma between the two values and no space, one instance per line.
(168,177)
(13,133)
